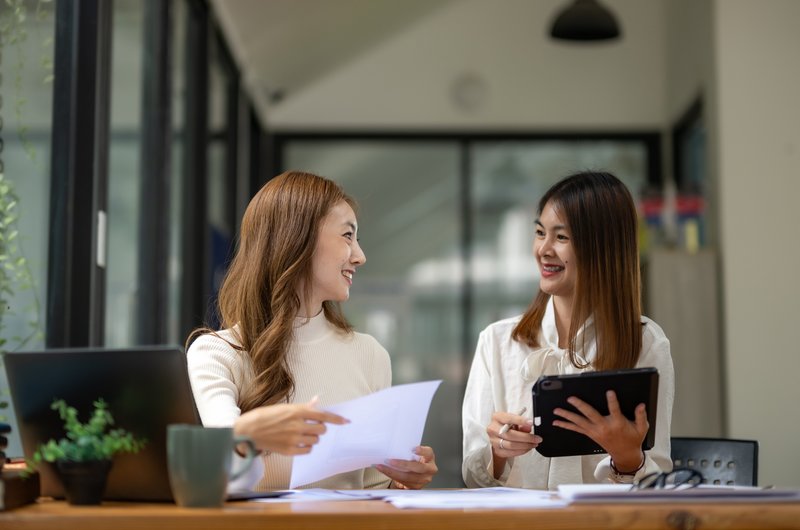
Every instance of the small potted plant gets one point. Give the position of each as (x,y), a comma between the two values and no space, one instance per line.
(83,457)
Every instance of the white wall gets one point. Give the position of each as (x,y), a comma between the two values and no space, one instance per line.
(531,81)
(758,74)
(739,55)
(689,60)
(685,288)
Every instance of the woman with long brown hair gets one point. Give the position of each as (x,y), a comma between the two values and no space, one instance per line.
(285,348)
(586,316)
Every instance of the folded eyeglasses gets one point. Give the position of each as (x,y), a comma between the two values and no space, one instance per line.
(678,478)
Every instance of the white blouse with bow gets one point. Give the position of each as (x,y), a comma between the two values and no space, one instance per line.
(501,379)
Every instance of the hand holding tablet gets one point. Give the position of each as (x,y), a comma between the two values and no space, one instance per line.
(631,388)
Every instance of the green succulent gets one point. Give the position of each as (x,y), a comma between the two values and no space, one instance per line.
(85,441)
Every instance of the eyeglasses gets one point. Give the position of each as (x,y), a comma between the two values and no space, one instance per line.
(680,477)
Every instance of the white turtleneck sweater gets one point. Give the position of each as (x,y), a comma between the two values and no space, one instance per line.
(324,362)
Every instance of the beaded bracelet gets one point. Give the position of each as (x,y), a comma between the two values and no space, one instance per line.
(625,477)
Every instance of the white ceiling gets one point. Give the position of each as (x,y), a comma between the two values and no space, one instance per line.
(376,64)
(283,46)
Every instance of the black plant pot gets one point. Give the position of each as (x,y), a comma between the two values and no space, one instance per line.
(84,482)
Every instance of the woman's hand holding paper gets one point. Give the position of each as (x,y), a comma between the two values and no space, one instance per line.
(411,474)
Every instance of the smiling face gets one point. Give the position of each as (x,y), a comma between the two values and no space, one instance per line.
(555,254)
(337,255)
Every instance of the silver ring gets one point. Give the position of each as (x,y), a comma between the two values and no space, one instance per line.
(501,443)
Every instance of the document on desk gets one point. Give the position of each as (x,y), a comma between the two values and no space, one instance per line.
(310,495)
(621,493)
(385,424)
(481,498)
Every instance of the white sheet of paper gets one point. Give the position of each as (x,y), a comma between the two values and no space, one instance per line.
(481,498)
(386,424)
(312,495)
(608,493)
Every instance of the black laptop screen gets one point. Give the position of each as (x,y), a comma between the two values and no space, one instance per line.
(147,388)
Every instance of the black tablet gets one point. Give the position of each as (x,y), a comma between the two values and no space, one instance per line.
(638,385)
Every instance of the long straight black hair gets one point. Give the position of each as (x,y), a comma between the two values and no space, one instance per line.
(601,217)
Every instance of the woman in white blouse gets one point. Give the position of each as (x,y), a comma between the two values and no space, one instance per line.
(285,349)
(586,316)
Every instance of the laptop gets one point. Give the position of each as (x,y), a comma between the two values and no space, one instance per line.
(146,388)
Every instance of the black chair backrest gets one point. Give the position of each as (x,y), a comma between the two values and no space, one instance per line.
(720,460)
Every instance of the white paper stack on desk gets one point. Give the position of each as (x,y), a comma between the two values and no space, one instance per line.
(622,493)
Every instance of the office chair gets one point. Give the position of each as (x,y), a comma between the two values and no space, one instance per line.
(720,460)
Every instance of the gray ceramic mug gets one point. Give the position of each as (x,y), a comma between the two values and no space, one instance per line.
(199,460)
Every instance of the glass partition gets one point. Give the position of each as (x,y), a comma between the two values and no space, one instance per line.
(124,184)
(27,30)
(221,184)
(508,179)
(409,210)
(447,227)
(178,23)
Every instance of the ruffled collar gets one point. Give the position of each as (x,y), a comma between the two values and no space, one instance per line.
(549,359)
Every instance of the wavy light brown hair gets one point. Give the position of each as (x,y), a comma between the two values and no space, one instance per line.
(261,292)
(602,220)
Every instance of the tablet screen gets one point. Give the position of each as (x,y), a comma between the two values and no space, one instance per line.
(638,385)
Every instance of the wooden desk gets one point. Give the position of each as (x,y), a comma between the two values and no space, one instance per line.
(371,515)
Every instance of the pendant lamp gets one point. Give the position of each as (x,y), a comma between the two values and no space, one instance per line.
(585,20)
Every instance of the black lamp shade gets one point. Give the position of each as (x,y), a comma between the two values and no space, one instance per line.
(585,20)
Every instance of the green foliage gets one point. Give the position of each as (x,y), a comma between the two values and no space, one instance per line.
(86,441)
(15,272)
(15,17)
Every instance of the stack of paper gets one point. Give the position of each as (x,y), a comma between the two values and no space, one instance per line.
(460,499)
(485,498)
(622,493)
